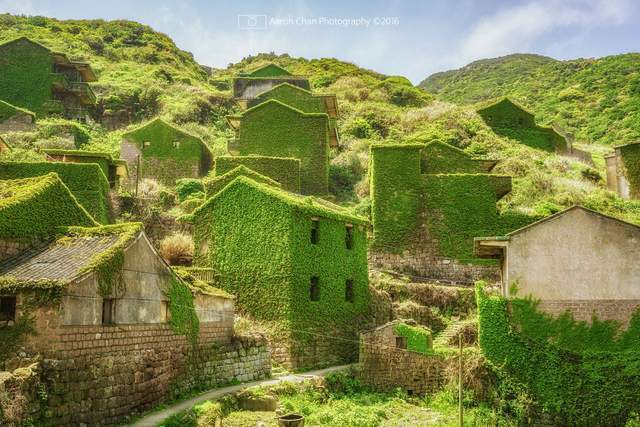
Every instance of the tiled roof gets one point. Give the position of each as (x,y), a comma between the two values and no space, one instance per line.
(61,260)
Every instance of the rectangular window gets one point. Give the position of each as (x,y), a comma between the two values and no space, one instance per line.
(314,289)
(401,342)
(348,290)
(315,231)
(349,236)
(108,311)
(7,308)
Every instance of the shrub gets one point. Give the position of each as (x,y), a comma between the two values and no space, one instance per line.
(185,187)
(177,248)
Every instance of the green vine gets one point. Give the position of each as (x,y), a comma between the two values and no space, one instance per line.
(184,319)
(631,160)
(418,337)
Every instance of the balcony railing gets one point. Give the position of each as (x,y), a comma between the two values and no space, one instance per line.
(60,81)
(84,90)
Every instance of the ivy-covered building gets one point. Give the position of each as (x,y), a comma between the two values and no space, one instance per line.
(428,202)
(248,85)
(297,264)
(511,120)
(623,171)
(284,170)
(32,209)
(275,129)
(114,169)
(305,101)
(86,181)
(15,119)
(213,184)
(43,81)
(160,151)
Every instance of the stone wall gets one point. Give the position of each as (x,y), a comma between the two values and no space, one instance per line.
(385,367)
(619,310)
(102,374)
(423,262)
(18,123)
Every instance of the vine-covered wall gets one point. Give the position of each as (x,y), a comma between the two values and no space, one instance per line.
(7,111)
(275,129)
(438,157)
(36,207)
(257,238)
(577,374)
(512,121)
(26,74)
(631,160)
(85,181)
(284,170)
(170,154)
(294,96)
(216,183)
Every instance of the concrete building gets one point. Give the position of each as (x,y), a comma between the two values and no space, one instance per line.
(577,260)
(43,81)
(623,171)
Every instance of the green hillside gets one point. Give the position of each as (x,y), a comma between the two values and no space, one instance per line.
(596,99)
(143,74)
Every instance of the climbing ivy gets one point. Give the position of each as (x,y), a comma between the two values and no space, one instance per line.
(573,383)
(286,171)
(294,96)
(85,181)
(184,319)
(217,183)
(7,111)
(631,159)
(102,159)
(418,337)
(275,129)
(36,207)
(257,240)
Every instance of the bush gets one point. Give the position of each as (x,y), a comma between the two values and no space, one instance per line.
(358,128)
(186,187)
(177,249)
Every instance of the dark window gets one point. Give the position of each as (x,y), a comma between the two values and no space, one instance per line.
(108,311)
(401,342)
(7,308)
(348,290)
(349,236)
(314,289)
(315,231)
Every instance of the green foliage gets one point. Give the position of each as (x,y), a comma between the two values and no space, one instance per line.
(418,337)
(269,70)
(257,239)
(403,93)
(573,383)
(7,111)
(275,129)
(85,181)
(296,97)
(216,183)
(26,77)
(184,319)
(631,159)
(285,171)
(185,187)
(439,158)
(36,207)
(596,99)
(171,153)
(104,160)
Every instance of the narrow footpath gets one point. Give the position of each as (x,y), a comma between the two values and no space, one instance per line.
(155,418)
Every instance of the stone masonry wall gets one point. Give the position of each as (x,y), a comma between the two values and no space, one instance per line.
(102,374)
(422,262)
(385,368)
(619,310)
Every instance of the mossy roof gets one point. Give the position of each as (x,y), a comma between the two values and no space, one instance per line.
(241,170)
(411,146)
(279,104)
(271,65)
(627,145)
(5,105)
(159,122)
(311,205)
(75,252)
(505,100)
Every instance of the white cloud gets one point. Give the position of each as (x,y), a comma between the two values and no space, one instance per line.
(516,29)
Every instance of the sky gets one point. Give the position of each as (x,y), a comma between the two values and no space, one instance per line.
(411,38)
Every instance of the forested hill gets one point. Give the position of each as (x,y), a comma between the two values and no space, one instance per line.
(597,99)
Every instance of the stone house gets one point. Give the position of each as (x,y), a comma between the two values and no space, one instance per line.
(248,85)
(577,260)
(15,119)
(114,169)
(43,81)
(427,201)
(304,101)
(623,171)
(388,361)
(275,129)
(297,264)
(160,151)
(118,331)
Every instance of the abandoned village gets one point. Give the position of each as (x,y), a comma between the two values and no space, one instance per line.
(98,311)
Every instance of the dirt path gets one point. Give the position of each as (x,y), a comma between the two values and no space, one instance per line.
(156,418)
